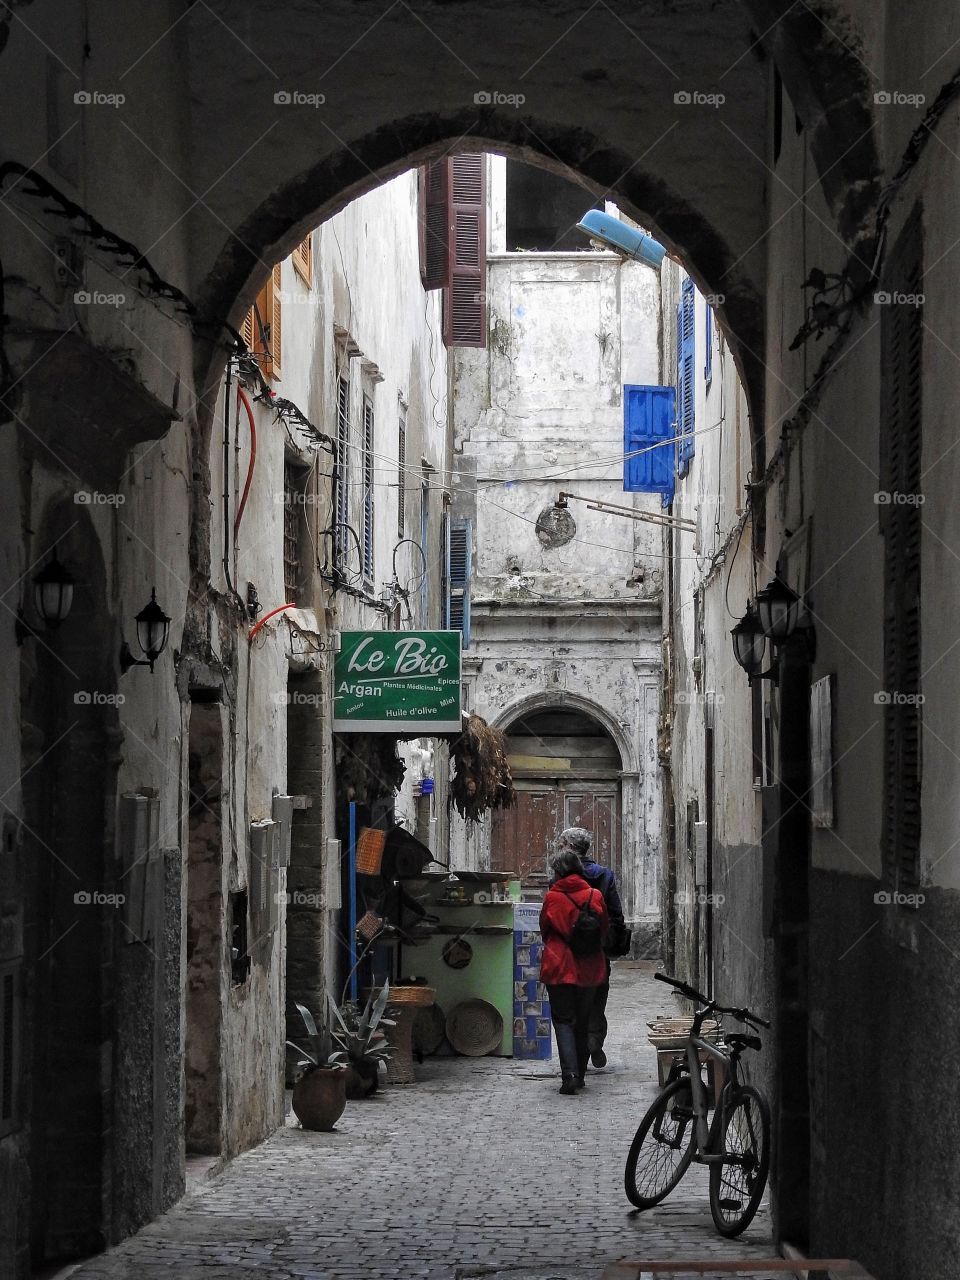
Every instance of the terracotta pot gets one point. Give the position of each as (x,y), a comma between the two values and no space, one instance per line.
(362,1079)
(319,1098)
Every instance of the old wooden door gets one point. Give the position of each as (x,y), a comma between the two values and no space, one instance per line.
(525,836)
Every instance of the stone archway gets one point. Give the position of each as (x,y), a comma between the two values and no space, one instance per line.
(603,789)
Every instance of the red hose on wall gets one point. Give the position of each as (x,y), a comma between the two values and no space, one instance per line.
(266,618)
(242,397)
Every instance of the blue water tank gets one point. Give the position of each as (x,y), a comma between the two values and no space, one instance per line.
(616,235)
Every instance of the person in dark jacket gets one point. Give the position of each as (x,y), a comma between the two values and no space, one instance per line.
(578,840)
(570,979)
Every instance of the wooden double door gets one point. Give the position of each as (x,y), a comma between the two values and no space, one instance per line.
(524,837)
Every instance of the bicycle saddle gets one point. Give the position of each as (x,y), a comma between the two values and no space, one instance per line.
(737,1041)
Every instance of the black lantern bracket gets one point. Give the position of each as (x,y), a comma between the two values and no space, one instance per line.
(153,631)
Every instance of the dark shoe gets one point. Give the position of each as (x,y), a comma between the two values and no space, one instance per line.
(569,1084)
(598,1058)
(580,1083)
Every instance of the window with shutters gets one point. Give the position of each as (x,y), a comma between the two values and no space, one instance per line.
(342,540)
(9,1046)
(648,430)
(434,217)
(686,351)
(402,474)
(262,328)
(367,531)
(303,259)
(293,493)
(458,560)
(901,338)
(453,244)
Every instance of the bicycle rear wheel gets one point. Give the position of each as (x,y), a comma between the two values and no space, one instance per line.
(662,1148)
(736,1187)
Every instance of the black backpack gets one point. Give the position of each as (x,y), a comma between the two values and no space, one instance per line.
(586,936)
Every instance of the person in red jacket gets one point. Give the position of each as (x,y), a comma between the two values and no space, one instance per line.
(570,975)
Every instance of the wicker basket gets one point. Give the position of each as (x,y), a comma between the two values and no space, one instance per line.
(370,844)
(673,1033)
(475,1028)
(412,994)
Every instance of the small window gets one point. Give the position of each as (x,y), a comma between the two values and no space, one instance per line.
(367,538)
(239,952)
(293,493)
(342,532)
(402,475)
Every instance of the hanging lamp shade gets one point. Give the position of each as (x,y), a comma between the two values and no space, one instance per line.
(53,592)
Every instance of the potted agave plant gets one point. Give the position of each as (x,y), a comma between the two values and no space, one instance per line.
(319,1094)
(360,1036)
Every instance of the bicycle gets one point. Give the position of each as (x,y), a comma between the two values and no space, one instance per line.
(674,1133)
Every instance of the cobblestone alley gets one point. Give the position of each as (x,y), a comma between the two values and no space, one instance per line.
(481,1169)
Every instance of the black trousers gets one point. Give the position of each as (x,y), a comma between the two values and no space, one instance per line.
(597,1026)
(570,1008)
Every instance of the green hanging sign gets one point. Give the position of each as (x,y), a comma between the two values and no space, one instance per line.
(397,682)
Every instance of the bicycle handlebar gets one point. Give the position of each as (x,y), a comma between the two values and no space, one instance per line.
(742,1015)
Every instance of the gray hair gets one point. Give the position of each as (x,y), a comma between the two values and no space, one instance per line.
(566,863)
(577,839)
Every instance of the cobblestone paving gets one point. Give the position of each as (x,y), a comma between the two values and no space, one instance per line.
(481,1169)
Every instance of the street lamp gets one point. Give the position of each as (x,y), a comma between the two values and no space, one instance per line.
(153,631)
(778,609)
(750,646)
(52,597)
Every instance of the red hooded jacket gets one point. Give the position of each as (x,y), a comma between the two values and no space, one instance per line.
(561,907)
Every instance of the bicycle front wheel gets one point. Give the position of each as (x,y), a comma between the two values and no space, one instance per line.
(662,1148)
(737,1184)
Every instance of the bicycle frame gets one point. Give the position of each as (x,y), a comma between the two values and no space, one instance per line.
(704,1152)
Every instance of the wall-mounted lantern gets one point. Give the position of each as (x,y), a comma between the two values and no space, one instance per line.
(750,647)
(778,607)
(153,631)
(772,619)
(52,598)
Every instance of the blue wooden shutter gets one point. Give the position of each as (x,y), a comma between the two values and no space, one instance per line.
(649,415)
(459,553)
(686,387)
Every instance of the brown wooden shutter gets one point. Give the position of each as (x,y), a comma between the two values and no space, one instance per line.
(247,330)
(465,311)
(274,324)
(434,222)
(303,259)
(900,523)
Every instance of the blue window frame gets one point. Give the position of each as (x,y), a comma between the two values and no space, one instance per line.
(686,385)
(649,420)
(459,557)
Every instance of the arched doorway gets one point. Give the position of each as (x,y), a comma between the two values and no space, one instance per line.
(566,768)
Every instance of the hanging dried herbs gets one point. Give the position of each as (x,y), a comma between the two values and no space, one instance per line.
(368,767)
(482,778)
